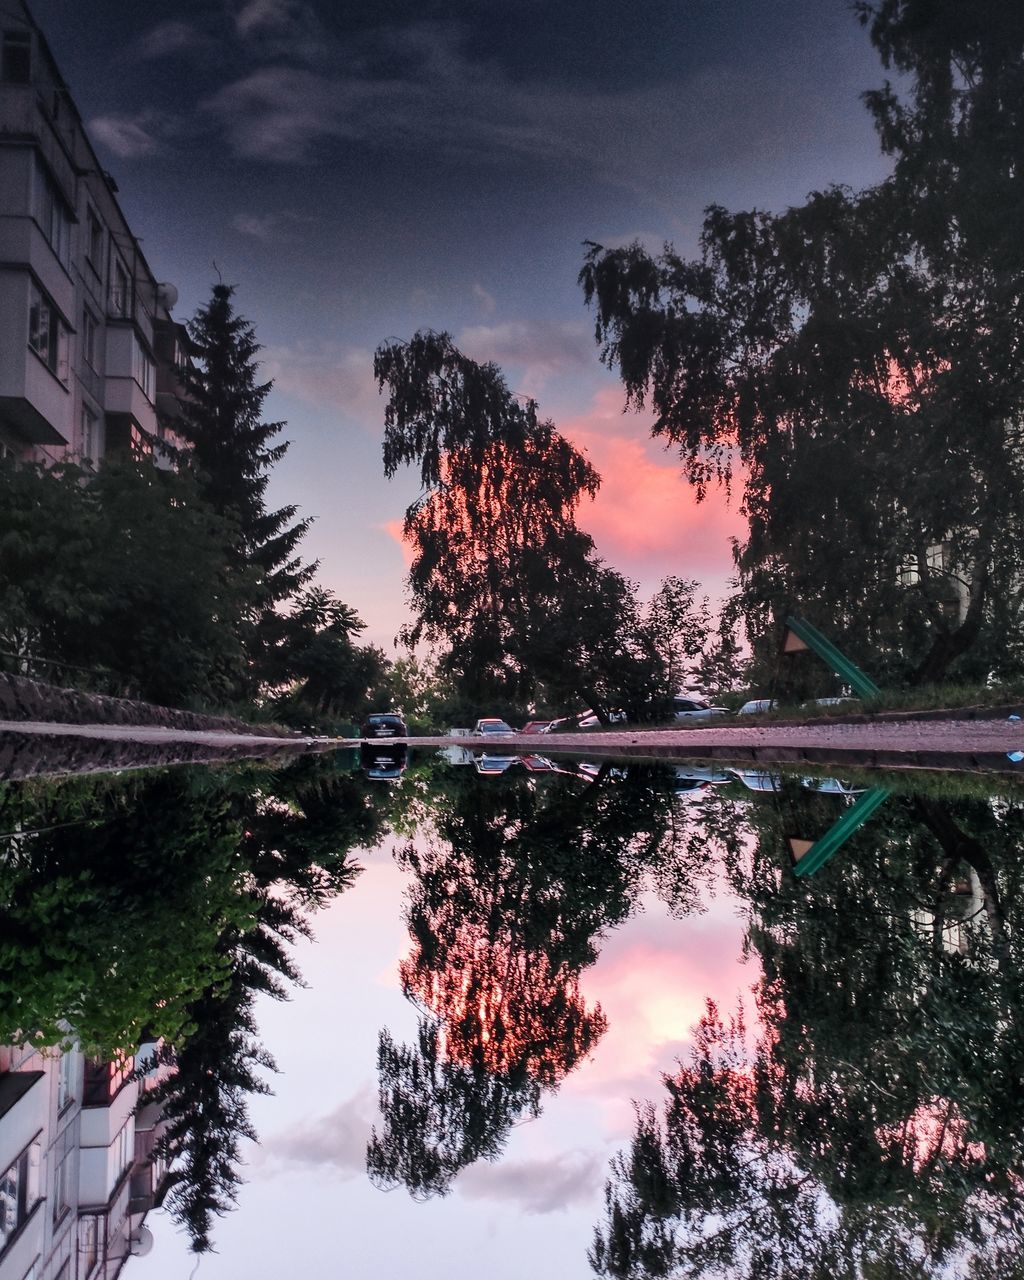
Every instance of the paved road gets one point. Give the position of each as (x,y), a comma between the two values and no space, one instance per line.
(948,744)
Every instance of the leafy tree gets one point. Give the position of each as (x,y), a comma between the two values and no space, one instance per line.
(502,577)
(312,663)
(858,356)
(122,579)
(232,452)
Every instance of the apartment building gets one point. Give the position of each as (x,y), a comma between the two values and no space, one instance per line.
(91,359)
(76,1174)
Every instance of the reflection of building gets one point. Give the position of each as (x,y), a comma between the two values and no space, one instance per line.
(90,358)
(76,1180)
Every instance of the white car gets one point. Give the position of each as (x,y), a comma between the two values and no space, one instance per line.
(493,728)
(694,709)
(590,721)
(758,707)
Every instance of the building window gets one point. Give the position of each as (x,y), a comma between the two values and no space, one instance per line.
(120,291)
(16,60)
(52,213)
(142,370)
(94,241)
(47,333)
(90,440)
(89,338)
(124,1148)
(66,1079)
(62,1187)
(19,1191)
(88,1246)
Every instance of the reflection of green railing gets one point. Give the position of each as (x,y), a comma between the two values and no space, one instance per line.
(810,859)
(811,638)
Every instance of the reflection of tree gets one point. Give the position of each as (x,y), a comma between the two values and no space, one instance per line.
(163,905)
(875,1125)
(510,894)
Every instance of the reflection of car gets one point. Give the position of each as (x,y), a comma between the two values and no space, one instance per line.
(762,780)
(831,786)
(758,779)
(383,761)
(492,728)
(700,778)
(694,709)
(385,724)
(537,726)
(486,763)
(758,707)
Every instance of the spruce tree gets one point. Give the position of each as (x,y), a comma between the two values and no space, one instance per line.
(232,451)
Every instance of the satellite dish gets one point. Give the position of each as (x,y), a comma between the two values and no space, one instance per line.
(167,295)
(141,1242)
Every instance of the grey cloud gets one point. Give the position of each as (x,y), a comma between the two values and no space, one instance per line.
(336,1141)
(541,350)
(537,1186)
(460,107)
(129,139)
(167,38)
(327,376)
(270,226)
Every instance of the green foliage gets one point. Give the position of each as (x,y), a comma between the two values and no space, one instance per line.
(119,578)
(859,356)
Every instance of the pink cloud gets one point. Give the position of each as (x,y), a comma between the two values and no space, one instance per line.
(646,519)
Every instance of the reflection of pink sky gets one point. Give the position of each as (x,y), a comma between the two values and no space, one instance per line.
(652,979)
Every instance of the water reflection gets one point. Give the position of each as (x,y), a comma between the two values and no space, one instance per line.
(858,1113)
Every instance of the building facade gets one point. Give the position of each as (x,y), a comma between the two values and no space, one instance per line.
(77,1176)
(91,359)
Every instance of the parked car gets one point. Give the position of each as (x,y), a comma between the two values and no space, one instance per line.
(758,707)
(384,724)
(695,709)
(589,720)
(490,727)
(537,726)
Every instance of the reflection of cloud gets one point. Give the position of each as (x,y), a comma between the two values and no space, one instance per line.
(127,138)
(336,1141)
(327,376)
(541,349)
(537,1186)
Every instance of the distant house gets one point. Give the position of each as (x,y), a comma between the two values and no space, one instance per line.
(76,1174)
(91,359)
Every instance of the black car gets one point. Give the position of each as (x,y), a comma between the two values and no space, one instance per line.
(384,724)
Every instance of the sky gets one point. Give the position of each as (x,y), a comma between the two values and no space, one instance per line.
(359,172)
